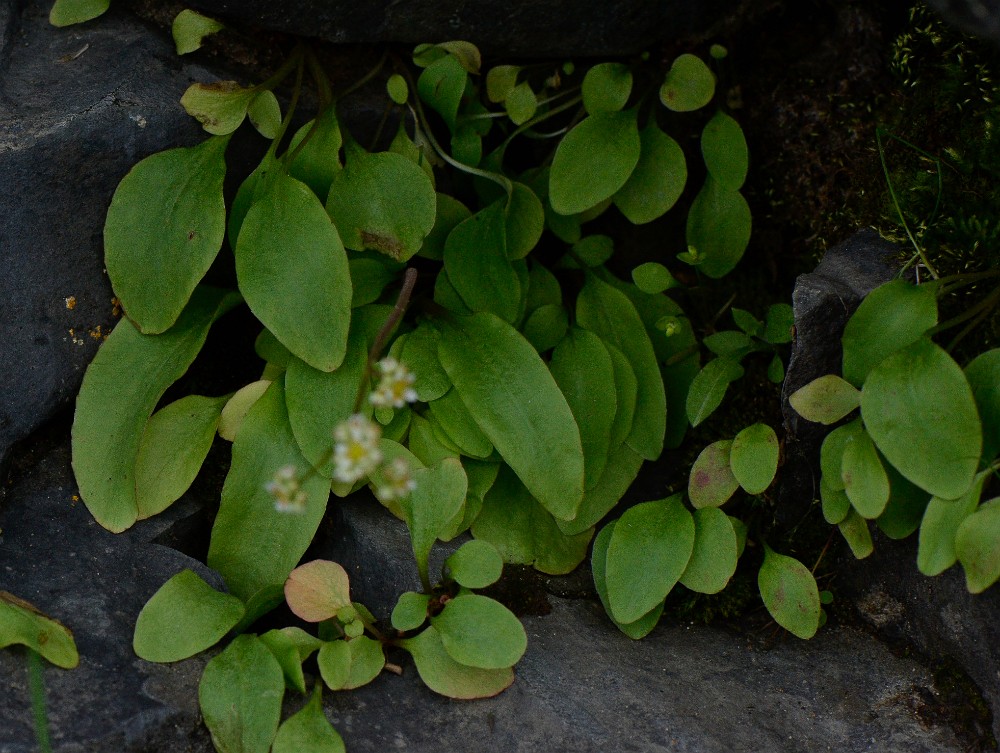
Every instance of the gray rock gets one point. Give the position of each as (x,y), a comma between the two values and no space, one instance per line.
(981,18)
(55,556)
(78,108)
(823,301)
(551,28)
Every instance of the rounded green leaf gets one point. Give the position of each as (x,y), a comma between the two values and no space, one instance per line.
(184,617)
(190,28)
(121,387)
(317,163)
(779,322)
(907,503)
(747,322)
(410,611)
(825,400)
(306,305)
(713,559)
(444,675)
(429,508)
(384,202)
(237,407)
(919,410)
(725,151)
(317,590)
(836,504)
(936,543)
(240,696)
(977,544)
(658,179)
(334,662)
(220,107)
(476,564)
(521,103)
(546,326)
(21,623)
(790,594)
(634,630)
(525,221)
(712,482)
(346,665)
(593,161)
(69,12)
(264,113)
(493,368)
(648,552)
(397,89)
(174,445)
(500,82)
(441,85)
(420,356)
(479,632)
(753,458)
(718,228)
(689,84)
(606,87)
(854,529)
(449,214)
(984,378)
(653,278)
(308,730)
(865,480)
(709,387)
(889,318)
(832,453)
(164,229)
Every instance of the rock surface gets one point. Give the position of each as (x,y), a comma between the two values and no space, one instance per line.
(78,108)
(980,18)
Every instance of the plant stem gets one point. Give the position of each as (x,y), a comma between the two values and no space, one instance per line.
(279,75)
(286,121)
(36,683)
(366,78)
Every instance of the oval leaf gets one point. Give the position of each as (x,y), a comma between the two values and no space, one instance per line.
(658,179)
(920,412)
(725,151)
(475,564)
(479,632)
(317,163)
(865,480)
(709,387)
(753,458)
(977,544)
(713,559)
(936,544)
(410,611)
(69,12)
(21,623)
(183,618)
(190,28)
(317,590)
(984,378)
(606,87)
(825,400)
(429,508)
(444,675)
(790,594)
(237,407)
(718,228)
(689,84)
(712,482)
(634,630)
(164,228)
(220,107)
(308,730)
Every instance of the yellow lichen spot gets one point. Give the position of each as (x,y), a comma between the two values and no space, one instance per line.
(96,333)
(71,302)
(116,307)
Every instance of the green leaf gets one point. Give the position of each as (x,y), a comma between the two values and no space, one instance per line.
(836,503)
(582,368)
(69,12)
(240,696)
(609,313)
(424,445)
(164,229)
(307,306)
(449,214)
(429,508)
(977,544)
(621,470)
(778,324)
(593,161)
(936,544)
(334,662)
(420,356)
(524,532)
(521,103)
(712,482)
(22,624)
(479,632)
(907,503)
(753,458)
(890,318)
(410,611)
(776,370)
(466,53)
(441,85)
(525,221)
(382,201)
(476,260)
(546,326)
(318,162)
(709,387)
(865,480)
(658,179)
(291,646)
(832,453)
(593,250)
(790,594)
(854,529)
(174,445)
(606,87)
(397,89)
(493,368)
(649,549)
(444,675)
(264,113)
(634,630)
(476,564)
(626,394)
(653,278)
(246,194)
(317,590)
(247,515)
(689,84)
(729,343)
(369,277)
(713,559)
(500,82)
(920,412)
(747,322)
(457,422)
(983,375)
(543,287)
(825,400)
(725,151)
(346,665)
(308,730)
(121,387)
(220,107)
(184,617)
(718,228)
(189,30)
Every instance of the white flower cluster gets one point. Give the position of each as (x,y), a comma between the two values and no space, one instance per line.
(355,449)
(395,388)
(286,490)
(397,481)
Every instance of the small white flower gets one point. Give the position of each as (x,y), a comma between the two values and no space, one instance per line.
(395,388)
(356,452)
(397,481)
(286,490)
